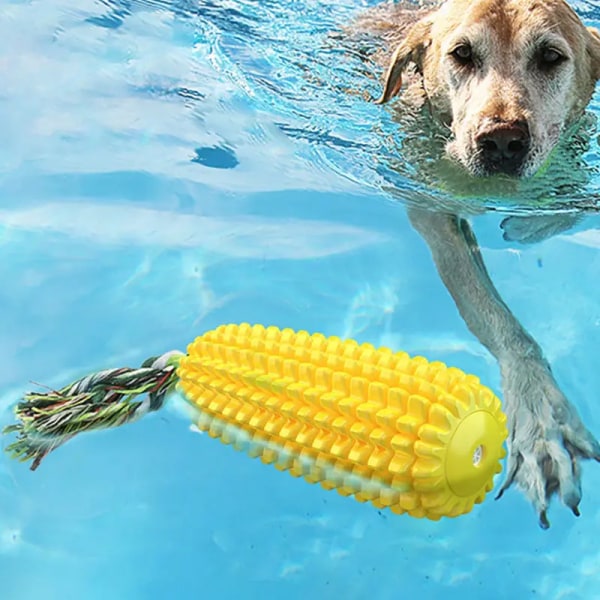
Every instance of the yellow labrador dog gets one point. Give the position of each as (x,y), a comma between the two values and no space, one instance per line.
(508,78)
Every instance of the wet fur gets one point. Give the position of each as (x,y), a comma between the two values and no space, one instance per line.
(547,438)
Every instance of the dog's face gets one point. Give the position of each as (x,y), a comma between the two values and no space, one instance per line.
(507,77)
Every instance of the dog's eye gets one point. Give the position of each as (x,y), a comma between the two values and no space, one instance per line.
(463,54)
(549,58)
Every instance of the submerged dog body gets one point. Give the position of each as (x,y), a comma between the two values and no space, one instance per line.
(508,78)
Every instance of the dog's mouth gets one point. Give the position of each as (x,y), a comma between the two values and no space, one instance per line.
(484,166)
(508,150)
(520,162)
(479,164)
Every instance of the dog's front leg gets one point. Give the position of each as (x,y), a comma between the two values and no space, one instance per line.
(546,436)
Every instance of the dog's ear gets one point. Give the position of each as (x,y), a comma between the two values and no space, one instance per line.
(411,50)
(594,51)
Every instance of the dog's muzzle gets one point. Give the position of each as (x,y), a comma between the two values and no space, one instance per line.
(503,147)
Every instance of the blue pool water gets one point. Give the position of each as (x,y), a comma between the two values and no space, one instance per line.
(166,167)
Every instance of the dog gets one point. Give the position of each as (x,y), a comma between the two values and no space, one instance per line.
(507,80)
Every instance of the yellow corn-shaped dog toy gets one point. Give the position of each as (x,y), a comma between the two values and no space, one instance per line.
(400,432)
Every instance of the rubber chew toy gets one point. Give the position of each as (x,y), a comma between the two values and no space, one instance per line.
(400,432)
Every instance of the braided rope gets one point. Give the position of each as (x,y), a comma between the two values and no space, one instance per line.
(98,401)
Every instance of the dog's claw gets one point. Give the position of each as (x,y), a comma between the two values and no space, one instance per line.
(547,440)
(513,467)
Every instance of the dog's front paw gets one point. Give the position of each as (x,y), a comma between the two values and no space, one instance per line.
(547,438)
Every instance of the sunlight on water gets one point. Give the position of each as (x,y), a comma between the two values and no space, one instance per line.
(168,166)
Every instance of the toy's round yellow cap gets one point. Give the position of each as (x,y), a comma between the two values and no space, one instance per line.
(473,453)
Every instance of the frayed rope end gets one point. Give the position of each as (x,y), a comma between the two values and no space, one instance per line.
(98,401)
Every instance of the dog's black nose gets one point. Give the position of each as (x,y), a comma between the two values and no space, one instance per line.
(503,147)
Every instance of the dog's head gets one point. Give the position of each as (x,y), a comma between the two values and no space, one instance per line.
(507,77)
